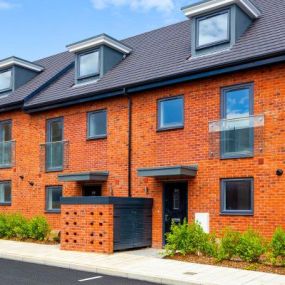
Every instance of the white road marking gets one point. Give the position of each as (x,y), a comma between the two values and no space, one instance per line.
(92,278)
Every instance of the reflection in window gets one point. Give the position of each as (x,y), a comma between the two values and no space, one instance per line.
(89,64)
(237,195)
(213,29)
(237,136)
(97,124)
(54,193)
(176,199)
(5,80)
(5,192)
(171,113)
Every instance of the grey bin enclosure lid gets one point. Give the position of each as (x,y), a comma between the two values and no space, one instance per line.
(86,176)
(169,171)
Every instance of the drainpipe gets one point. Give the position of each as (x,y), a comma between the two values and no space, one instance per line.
(129,143)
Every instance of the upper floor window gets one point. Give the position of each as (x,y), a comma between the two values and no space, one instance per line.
(213,29)
(54,145)
(5,80)
(5,193)
(88,65)
(5,144)
(171,113)
(238,133)
(97,124)
(237,196)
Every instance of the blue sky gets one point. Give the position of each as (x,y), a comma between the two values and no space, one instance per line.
(33,29)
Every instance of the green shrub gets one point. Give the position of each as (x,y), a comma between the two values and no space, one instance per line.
(38,228)
(229,243)
(251,246)
(3,227)
(278,243)
(189,239)
(16,226)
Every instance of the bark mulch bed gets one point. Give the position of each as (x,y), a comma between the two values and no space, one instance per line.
(232,264)
(47,242)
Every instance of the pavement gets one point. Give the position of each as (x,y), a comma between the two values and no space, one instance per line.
(21,273)
(144,265)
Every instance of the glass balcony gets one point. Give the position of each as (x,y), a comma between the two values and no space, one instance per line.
(55,155)
(236,137)
(7,150)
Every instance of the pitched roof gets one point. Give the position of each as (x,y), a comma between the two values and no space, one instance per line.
(160,54)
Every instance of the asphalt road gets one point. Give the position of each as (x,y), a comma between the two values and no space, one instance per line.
(20,273)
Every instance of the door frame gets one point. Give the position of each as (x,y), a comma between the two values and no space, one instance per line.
(163,203)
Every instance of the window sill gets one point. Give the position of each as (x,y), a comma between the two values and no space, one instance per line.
(170,128)
(5,166)
(97,138)
(5,204)
(238,213)
(54,170)
(237,156)
(53,211)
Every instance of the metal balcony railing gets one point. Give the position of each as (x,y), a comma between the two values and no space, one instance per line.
(237,137)
(54,156)
(7,154)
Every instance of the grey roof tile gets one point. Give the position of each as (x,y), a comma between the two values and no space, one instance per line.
(163,53)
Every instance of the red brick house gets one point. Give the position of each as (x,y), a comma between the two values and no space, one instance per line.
(190,115)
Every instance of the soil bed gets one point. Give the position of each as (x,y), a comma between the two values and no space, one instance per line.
(47,242)
(233,264)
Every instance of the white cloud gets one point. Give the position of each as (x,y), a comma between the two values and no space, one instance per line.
(160,5)
(5,5)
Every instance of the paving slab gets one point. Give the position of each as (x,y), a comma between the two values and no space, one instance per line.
(146,265)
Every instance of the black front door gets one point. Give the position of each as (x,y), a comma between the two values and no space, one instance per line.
(175,204)
(92,190)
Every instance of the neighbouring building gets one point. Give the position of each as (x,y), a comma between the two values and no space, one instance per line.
(190,117)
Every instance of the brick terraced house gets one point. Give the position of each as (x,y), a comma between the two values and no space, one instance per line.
(113,140)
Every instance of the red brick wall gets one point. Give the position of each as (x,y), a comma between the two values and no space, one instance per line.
(87,228)
(150,148)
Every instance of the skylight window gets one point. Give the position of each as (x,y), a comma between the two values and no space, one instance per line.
(213,29)
(5,80)
(88,64)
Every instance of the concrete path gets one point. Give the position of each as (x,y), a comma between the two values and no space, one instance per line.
(141,265)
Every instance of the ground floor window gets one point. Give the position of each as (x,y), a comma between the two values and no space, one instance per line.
(5,193)
(237,196)
(53,195)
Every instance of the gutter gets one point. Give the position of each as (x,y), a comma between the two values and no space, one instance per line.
(182,78)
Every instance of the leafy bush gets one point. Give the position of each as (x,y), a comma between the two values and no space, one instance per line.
(229,243)
(278,243)
(250,246)
(38,228)
(189,239)
(17,226)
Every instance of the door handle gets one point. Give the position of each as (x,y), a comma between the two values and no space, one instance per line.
(166,217)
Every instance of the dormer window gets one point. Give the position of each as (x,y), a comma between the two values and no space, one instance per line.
(88,65)
(216,25)
(5,80)
(213,29)
(96,56)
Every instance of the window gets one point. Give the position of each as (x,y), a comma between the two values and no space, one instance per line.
(213,29)
(171,113)
(237,135)
(5,144)
(53,195)
(88,64)
(54,145)
(5,80)
(5,193)
(237,196)
(97,124)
